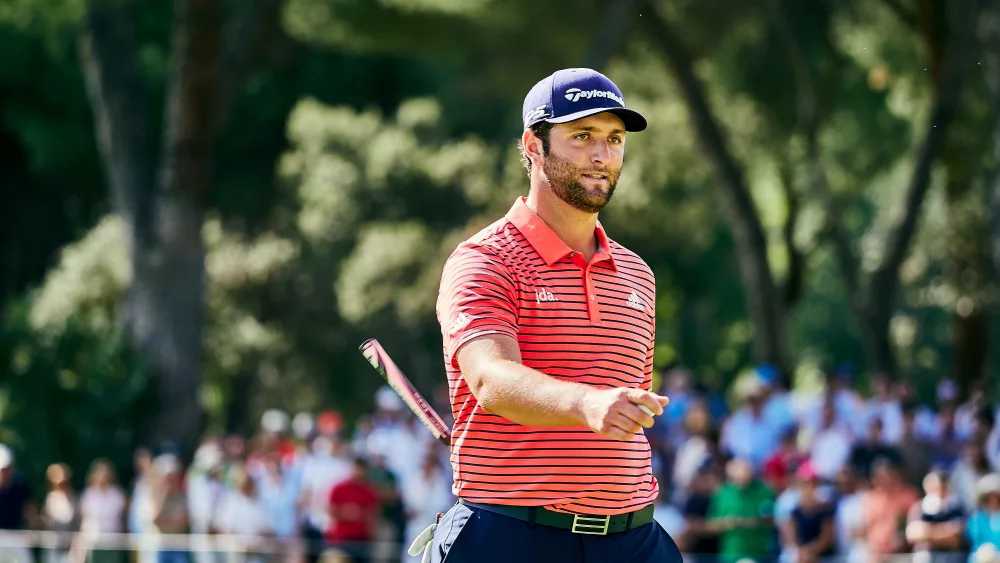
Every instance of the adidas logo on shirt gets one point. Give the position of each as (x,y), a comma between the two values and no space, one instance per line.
(543,295)
(634,301)
(461,322)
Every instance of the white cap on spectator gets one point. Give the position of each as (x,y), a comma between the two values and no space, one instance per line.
(6,457)
(387,399)
(303,424)
(167,464)
(274,421)
(988,484)
(208,457)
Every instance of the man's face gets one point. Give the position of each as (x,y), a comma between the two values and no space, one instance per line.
(585,160)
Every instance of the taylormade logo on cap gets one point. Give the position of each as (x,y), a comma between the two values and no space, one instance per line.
(575,94)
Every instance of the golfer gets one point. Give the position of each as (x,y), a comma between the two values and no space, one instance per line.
(548,329)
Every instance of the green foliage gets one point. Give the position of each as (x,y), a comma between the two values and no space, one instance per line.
(69,395)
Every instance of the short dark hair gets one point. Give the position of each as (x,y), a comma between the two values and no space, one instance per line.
(540,130)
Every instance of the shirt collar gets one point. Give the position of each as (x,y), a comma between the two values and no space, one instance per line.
(548,244)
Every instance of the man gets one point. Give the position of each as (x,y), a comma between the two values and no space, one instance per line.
(886,507)
(749,433)
(741,513)
(17,512)
(936,524)
(548,330)
(871,448)
(354,511)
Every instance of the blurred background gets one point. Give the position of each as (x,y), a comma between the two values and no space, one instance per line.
(207,205)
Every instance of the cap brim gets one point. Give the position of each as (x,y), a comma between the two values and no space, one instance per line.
(633,120)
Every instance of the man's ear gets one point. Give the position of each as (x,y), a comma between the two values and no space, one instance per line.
(532,147)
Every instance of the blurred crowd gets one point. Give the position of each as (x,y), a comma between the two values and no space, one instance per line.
(298,492)
(838,475)
(769,476)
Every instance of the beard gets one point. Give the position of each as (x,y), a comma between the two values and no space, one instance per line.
(563,177)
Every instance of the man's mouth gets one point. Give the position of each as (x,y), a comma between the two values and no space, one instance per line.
(597,176)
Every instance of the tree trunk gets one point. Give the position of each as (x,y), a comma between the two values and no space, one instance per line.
(765,305)
(884,281)
(164,205)
(970,347)
(989,34)
(608,32)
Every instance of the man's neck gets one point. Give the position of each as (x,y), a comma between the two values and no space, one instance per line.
(574,227)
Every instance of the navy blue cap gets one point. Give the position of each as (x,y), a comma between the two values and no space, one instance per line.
(574,93)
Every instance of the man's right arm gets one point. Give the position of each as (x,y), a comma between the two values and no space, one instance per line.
(502,385)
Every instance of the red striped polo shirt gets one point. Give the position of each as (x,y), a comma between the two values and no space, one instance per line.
(587,323)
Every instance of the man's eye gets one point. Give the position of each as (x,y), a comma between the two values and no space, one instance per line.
(582,136)
(617,140)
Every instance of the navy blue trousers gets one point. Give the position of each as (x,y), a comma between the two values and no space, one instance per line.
(473,535)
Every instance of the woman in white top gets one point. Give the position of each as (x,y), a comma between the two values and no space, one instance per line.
(241,513)
(102,508)
(61,512)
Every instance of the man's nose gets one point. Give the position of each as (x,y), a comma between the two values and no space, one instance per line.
(601,153)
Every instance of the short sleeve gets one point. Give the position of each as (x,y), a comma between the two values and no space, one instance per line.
(647,372)
(477,297)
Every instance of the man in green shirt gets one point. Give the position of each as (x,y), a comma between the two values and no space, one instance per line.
(742,513)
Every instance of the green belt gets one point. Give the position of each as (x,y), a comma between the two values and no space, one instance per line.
(576,523)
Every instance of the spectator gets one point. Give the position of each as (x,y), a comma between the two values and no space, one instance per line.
(966,475)
(16,508)
(848,406)
(234,448)
(965,414)
(139,508)
(915,453)
(241,514)
(142,462)
(425,495)
(102,508)
(778,405)
(886,508)
(61,511)
(866,451)
(947,442)
(676,384)
(935,524)
(698,540)
(849,518)
(664,513)
(886,407)
(169,508)
(929,423)
(831,445)
(205,490)
(392,523)
(321,470)
(983,528)
(988,432)
(740,512)
(779,468)
(354,509)
(696,451)
(278,496)
(808,535)
(748,434)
